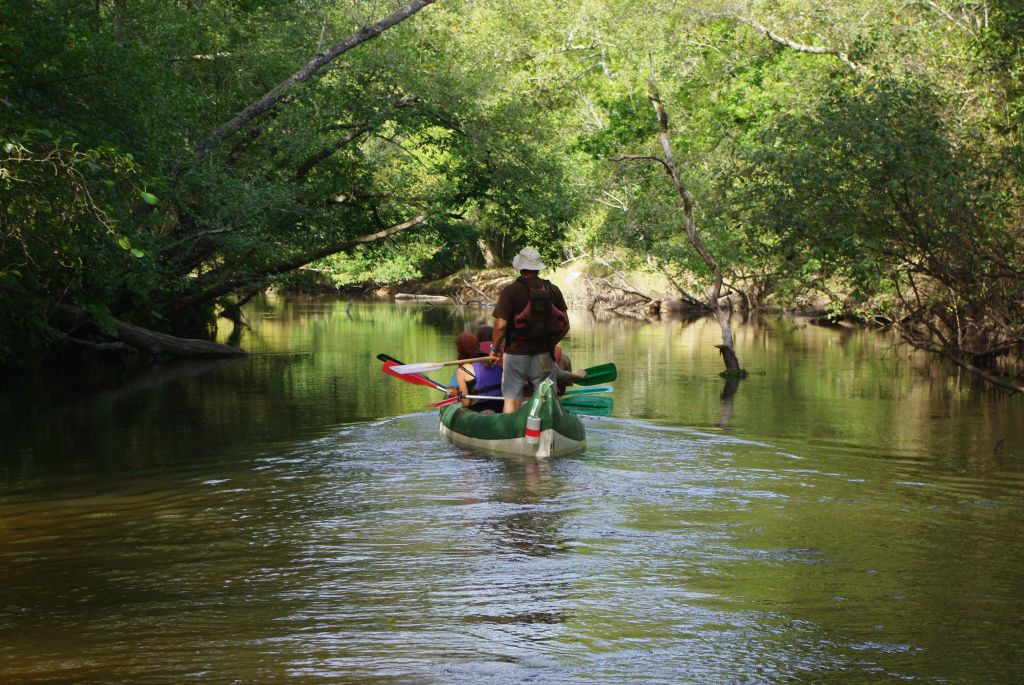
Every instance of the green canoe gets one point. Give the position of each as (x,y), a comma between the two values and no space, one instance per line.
(559,431)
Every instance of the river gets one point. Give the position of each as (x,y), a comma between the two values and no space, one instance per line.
(852,513)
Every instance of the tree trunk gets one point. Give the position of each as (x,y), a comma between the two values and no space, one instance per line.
(67,318)
(732,365)
(491,258)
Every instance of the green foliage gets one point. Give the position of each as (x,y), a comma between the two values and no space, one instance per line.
(842,148)
(63,231)
(384,264)
(101,104)
(876,162)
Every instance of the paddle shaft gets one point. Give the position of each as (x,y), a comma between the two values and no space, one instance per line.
(423,367)
(566,400)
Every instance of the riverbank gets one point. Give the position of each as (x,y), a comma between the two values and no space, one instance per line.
(585,285)
(600,287)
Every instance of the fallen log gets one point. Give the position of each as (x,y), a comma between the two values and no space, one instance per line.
(68,319)
(114,347)
(408,297)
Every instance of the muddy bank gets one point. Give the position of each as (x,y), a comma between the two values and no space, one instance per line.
(589,286)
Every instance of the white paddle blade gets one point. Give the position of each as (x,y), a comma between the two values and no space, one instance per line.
(422,367)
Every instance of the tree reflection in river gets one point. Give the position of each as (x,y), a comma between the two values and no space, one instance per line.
(851,511)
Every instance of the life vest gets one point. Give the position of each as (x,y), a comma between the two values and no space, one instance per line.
(540,321)
(487,380)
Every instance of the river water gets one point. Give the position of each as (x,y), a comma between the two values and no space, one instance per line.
(852,513)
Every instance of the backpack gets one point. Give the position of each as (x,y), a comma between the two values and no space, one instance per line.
(540,321)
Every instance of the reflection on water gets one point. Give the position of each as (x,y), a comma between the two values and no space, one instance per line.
(846,514)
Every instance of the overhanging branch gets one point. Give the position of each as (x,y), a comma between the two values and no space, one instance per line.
(279,91)
(231,284)
(785,42)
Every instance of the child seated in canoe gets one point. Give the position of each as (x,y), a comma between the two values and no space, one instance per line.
(476,378)
(565,376)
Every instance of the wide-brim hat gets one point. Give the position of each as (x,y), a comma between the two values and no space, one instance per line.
(528,259)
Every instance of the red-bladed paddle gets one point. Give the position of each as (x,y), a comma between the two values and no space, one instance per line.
(414,378)
(387,358)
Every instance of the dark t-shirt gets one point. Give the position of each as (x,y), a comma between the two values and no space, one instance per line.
(512,300)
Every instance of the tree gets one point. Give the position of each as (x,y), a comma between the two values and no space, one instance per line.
(714,301)
(114,209)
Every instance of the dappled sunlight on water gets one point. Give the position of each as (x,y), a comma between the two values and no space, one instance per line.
(808,537)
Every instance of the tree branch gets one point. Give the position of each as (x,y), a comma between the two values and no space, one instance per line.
(231,284)
(648,158)
(279,91)
(68,318)
(948,16)
(323,154)
(785,42)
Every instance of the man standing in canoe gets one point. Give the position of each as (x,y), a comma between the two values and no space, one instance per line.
(530,317)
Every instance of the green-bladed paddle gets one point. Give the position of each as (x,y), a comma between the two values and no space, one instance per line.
(602,373)
(595,390)
(588,405)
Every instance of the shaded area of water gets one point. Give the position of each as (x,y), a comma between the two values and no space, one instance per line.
(851,515)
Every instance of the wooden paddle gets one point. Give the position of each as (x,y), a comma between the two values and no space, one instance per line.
(423,367)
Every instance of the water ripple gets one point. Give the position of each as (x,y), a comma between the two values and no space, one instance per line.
(378,552)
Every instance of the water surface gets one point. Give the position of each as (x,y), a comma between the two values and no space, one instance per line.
(851,513)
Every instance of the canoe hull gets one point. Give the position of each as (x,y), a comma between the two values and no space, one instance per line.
(561,433)
(551,444)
